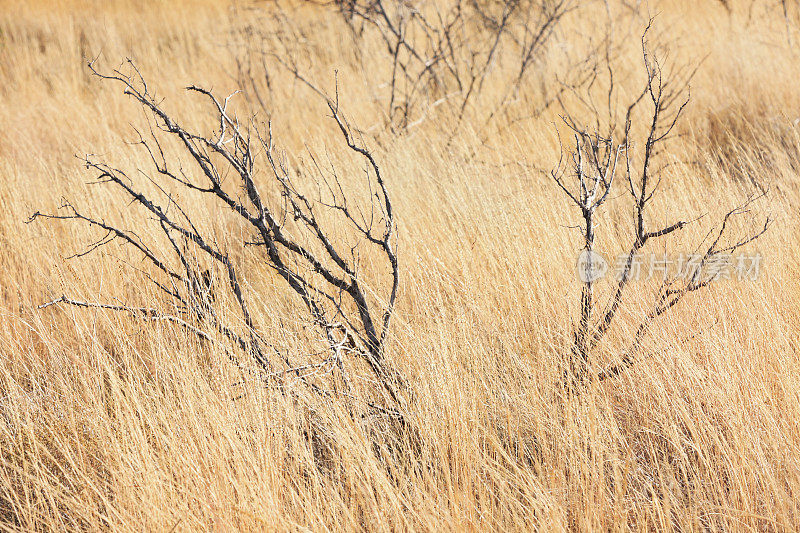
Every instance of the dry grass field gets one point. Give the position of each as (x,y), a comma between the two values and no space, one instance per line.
(112,421)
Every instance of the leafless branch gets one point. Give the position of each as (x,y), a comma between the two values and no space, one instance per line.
(320,271)
(596,159)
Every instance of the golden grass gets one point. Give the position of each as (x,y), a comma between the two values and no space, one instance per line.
(109,423)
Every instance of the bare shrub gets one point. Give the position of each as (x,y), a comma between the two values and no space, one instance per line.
(603,156)
(430,55)
(285,228)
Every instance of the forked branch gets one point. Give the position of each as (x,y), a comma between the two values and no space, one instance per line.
(315,265)
(596,160)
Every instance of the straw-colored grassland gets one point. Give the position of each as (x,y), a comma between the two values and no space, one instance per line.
(109,420)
